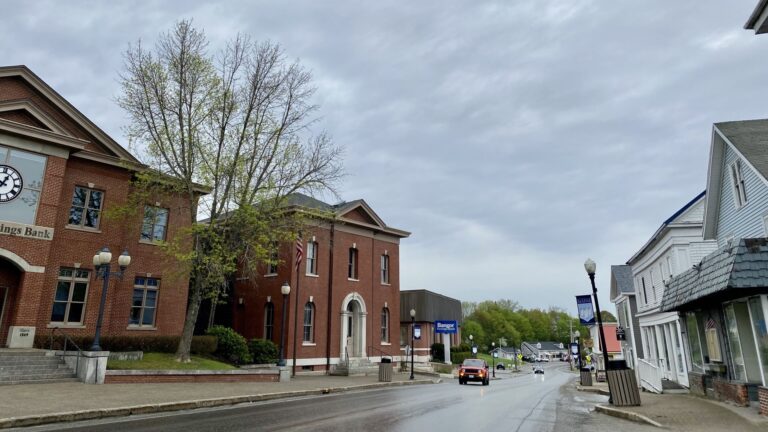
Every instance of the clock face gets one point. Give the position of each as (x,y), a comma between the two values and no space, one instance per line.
(10,183)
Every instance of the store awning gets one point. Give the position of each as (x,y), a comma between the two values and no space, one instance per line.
(738,269)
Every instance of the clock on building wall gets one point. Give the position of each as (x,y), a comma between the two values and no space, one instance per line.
(10,183)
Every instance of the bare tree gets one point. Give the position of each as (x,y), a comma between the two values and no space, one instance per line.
(239,121)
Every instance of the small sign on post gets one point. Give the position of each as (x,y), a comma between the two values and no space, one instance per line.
(417,331)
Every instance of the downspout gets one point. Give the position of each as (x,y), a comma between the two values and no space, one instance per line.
(330,302)
(373,279)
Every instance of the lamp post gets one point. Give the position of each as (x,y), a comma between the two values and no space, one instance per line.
(413,337)
(285,290)
(472,342)
(493,358)
(101,262)
(591,267)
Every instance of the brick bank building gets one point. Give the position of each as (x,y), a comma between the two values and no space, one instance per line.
(344,303)
(59,174)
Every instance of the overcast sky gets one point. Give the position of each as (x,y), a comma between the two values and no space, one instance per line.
(514,139)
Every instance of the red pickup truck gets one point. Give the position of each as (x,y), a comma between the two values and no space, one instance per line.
(474,370)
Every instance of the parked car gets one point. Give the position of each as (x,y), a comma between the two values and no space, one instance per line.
(474,370)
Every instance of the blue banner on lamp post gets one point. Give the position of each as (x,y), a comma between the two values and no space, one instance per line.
(586,313)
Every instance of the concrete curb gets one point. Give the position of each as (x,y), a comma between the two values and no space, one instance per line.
(13,422)
(627,415)
(592,390)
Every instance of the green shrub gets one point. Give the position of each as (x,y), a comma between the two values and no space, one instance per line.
(205,345)
(438,352)
(263,351)
(463,347)
(231,346)
(459,357)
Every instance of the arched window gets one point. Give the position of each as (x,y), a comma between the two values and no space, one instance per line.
(309,321)
(269,320)
(385,325)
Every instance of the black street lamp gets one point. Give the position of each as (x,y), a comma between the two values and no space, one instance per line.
(285,290)
(101,262)
(576,336)
(493,358)
(591,267)
(413,337)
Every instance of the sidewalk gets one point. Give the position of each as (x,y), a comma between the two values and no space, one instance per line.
(684,412)
(33,404)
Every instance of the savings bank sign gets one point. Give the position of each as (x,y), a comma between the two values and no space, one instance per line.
(449,327)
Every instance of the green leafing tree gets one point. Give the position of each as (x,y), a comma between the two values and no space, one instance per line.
(239,121)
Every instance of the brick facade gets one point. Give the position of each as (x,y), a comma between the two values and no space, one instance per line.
(76,154)
(330,292)
(728,391)
(696,384)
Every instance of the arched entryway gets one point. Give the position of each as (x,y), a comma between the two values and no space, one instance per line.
(10,276)
(353,314)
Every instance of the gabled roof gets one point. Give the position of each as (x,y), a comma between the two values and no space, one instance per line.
(741,266)
(342,210)
(68,109)
(665,227)
(546,346)
(758,20)
(749,139)
(621,281)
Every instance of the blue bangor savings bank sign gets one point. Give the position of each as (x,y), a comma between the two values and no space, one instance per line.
(449,327)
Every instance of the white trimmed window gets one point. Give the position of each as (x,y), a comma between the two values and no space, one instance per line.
(352,269)
(85,211)
(385,325)
(269,320)
(69,299)
(385,269)
(144,302)
(274,260)
(312,258)
(155,223)
(309,320)
(739,188)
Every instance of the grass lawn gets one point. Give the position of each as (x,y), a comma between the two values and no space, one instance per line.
(167,361)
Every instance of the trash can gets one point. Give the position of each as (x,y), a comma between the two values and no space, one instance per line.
(385,370)
(586,377)
(623,386)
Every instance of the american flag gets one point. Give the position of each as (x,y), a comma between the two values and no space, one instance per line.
(299,252)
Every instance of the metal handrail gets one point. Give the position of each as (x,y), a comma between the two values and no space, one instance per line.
(375,350)
(67,339)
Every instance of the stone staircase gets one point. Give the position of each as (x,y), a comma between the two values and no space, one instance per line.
(357,366)
(32,367)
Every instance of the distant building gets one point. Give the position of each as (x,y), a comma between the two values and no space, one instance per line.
(544,350)
(675,245)
(344,304)
(623,296)
(430,307)
(614,347)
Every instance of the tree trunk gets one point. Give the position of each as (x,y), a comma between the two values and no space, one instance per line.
(185,344)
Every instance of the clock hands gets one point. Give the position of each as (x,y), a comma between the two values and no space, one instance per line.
(5,181)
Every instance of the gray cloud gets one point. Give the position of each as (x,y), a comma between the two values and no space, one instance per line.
(513,138)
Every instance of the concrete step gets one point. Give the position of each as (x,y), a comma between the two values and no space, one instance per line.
(29,360)
(37,376)
(5,369)
(42,381)
(8,352)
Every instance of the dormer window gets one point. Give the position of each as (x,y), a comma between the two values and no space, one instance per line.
(739,188)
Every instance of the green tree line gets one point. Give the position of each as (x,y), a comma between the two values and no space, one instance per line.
(506,321)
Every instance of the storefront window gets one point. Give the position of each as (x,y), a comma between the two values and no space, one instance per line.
(694,341)
(31,167)
(734,343)
(761,333)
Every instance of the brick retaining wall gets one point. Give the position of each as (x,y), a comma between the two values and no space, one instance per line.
(731,392)
(133,377)
(762,394)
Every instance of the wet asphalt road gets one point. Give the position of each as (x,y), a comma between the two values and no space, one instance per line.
(514,402)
